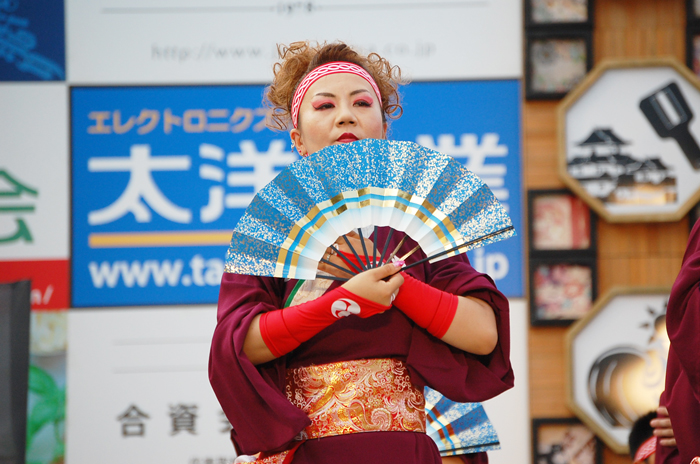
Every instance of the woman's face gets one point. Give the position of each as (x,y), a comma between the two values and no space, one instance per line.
(338,108)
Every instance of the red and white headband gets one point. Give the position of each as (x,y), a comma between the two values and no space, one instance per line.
(645,450)
(324,70)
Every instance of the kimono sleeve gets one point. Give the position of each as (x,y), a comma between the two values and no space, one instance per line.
(252,397)
(683,313)
(682,393)
(459,375)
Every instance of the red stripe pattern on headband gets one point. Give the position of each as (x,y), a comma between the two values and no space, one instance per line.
(324,70)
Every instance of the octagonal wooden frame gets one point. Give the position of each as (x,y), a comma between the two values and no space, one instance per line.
(570,100)
(600,304)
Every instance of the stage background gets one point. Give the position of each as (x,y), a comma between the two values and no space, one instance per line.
(111,45)
(100,97)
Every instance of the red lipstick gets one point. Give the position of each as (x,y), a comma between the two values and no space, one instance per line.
(347,138)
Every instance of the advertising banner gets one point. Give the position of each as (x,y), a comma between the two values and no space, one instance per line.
(186,41)
(161,176)
(477,123)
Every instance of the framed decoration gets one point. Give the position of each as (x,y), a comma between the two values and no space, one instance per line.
(693,12)
(692,36)
(561,292)
(628,140)
(616,361)
(564,441)
(692,48)
(559,221)
(563,275)
(559,12)
(555,62)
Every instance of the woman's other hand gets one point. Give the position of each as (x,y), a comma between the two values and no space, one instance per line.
(662,427)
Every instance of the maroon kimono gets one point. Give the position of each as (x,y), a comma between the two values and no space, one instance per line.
(682,393)
(253,398)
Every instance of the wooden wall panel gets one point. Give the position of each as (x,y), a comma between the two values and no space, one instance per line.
(540,145)
(639,28)
(646,254)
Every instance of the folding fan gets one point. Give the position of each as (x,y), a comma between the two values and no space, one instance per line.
(458,428)
(430,196)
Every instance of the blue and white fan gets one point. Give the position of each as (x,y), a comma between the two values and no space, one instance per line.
(430,196)
(458,428)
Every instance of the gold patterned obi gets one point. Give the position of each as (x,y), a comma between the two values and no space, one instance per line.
(369,395)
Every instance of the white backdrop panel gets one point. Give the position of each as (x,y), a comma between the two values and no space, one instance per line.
(510,412)
(154,360)
(179,41)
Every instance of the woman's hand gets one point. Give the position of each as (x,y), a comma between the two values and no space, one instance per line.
(378,285)
(662,427)
(301,322)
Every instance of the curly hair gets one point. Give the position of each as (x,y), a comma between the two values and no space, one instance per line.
(300,58)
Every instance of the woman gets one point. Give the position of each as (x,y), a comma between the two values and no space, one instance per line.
(681,396)
(278,343)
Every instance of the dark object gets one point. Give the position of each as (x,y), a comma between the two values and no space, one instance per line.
(692,32)
(641,431)
(669,115)
(692,13)
(14,370)
(691,45)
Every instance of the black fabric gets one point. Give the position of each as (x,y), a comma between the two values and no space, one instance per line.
(641,431)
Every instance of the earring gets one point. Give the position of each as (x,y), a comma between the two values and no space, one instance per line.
(294,147)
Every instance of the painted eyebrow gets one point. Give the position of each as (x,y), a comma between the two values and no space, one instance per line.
(332,95)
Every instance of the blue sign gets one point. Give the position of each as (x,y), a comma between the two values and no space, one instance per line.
(32,40)
(478,123)
(160,177)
